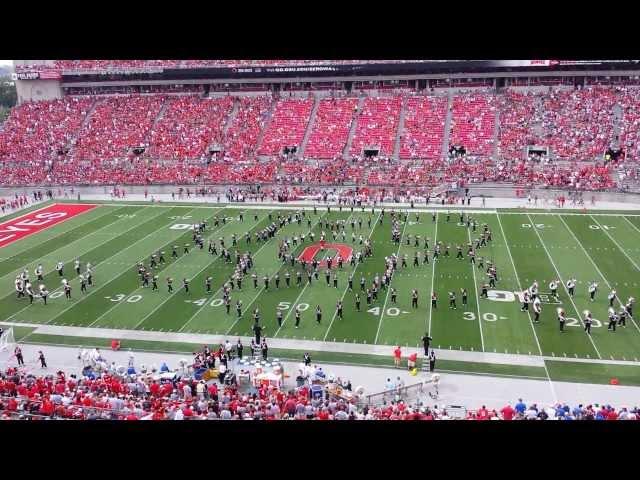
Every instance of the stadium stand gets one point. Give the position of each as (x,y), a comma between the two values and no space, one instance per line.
(331,128)
(423,132)
(473,122)
(117,125)
(93,139)
(287,127)
(377,124)
(189,126)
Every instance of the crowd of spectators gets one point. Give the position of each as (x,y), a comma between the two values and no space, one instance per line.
(377,125)
(287,126)
(423,133)
(153,139)
(473,121)
(116,395)
(40,131)
(189,126)
(330,130)
(116,125)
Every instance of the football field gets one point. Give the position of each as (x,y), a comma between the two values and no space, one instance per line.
(526,246)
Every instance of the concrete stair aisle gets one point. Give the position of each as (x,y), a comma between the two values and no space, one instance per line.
(447,126)
(72,142)
(312,121)
(399,131)
(267,121)
(163,109)
(617,125)
(496,133)
(232,116)
(352,129)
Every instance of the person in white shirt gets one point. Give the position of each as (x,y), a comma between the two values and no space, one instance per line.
(178,415)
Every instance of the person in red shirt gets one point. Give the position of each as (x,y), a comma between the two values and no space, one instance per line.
(154,388)
(397,355)
(411,362)
(483,413)
(508,412)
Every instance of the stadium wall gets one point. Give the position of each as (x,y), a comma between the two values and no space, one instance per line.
(34,90)
(504,191)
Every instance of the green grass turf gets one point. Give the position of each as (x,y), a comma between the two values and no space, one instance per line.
(525,246)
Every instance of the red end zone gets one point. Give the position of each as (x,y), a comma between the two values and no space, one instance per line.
(38,220)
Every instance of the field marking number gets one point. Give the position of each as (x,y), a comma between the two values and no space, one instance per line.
(573,322)
(287,305)
(121,296)
(487,316)
(537,225)
(604,227)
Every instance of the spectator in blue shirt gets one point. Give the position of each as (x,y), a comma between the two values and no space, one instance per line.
(520,406)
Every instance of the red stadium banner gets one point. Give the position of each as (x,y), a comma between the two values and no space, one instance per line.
(38,220)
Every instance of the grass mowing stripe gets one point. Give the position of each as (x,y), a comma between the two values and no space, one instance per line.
(594,373)
(313,225)
(578,313)
(353,271)
(519,284)
(384,305)
(265,259)
(532,263)
(172,315)
(361,326)
(66,253)
(475,290)
(285,298)
(123,279)
(134,310)
(46,241)
(264,255)
(8,304)
(612,264)
(296,302)
(606,231)
(433,276)
(595,266)
(632,224)
(100,253)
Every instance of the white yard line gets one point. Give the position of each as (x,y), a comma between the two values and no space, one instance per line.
(104,214)
(535,334)
(375,341)
(335,314)
(278,270)
(35,211)
(595,266)
(220,289)
(631,223)
(617,244)
(90,246)
(112,278)
(475,286)
(303,288)
(433,274)
(577,310)
(117,304)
